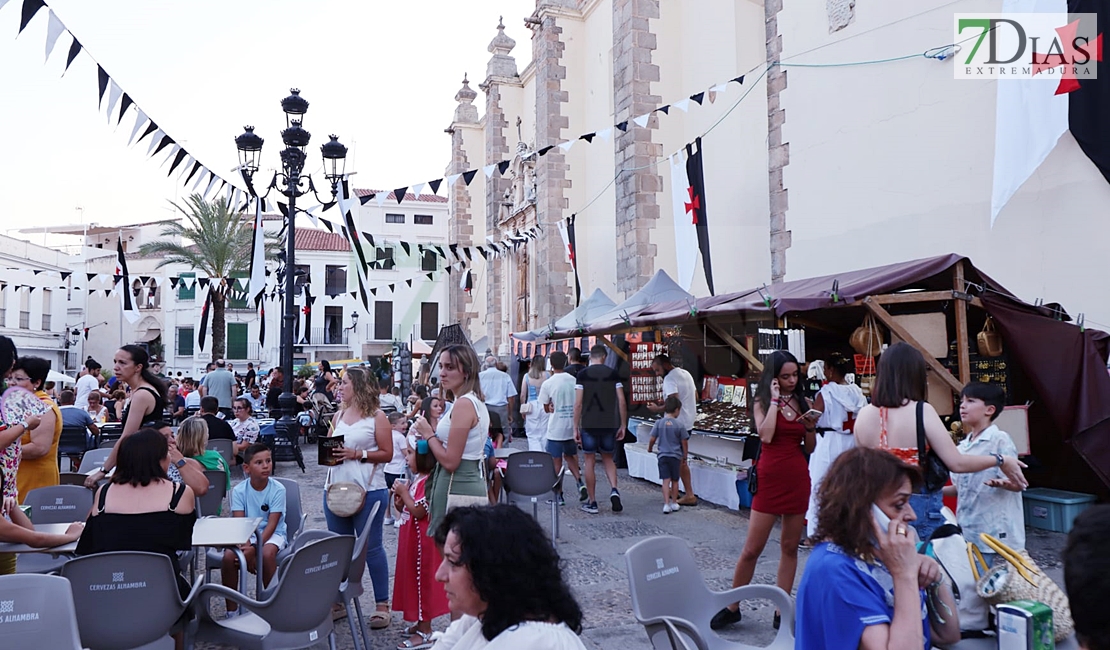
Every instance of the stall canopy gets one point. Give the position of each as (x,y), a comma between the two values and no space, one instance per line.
(589,310)
(661,289)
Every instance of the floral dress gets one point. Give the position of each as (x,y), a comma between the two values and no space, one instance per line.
(416,593)
(9,459)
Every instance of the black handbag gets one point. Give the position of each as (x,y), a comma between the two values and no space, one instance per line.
(753,473)
(933,469)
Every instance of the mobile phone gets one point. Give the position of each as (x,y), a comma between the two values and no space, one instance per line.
(812,413)
(880,517)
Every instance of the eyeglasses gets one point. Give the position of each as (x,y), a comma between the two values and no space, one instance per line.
(20,378)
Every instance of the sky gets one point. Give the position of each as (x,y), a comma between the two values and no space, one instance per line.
(381,75)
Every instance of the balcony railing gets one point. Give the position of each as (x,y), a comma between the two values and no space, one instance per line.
(328,336)
(240,352)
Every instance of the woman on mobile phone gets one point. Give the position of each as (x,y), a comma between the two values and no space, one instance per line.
(866,573)
(783,476)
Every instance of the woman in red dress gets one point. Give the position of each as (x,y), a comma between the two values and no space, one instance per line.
(783,487)
(416,593)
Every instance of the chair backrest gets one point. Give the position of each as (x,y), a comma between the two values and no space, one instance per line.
(111,430)
(93,459)
(217,490)
(661,567)
(71,478)
(358,557)
(226,449)
(105,585)
(38,612)
(293,508)
(59,504)
(529,473)
(74,440)
(308,587)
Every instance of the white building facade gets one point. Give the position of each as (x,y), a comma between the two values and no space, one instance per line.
(34,299)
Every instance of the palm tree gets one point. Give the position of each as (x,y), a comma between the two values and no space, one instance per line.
(220,246)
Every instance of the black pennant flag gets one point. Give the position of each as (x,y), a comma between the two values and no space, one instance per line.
(374,290)
(65,274)
(696,175)
(543,151)
(430,276)
(177,160)
(89,277)
(369,237)
(363,200)
(74,50)
(399,194)
(328,225)
(30,8)
(391,288)
(150,128)
(1089,97)
(589,137)
(439,249)
(623,126)
(196,168)
(572,244)
(167,141)
(409,282)
(173,282)
(503,167)
(102,81)
(739,80)
(202,335)
(482,251)
(666,110)
(435,185)
(466,251)
(121,268)
(124,103)
(405,246)
(698,97)
(260,305)
(469,176)
(454,248)
(203,282)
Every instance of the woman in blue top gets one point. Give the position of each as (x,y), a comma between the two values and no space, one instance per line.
(865,586)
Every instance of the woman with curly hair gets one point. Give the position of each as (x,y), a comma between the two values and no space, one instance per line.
(865,585)
(367,446)
(502,578)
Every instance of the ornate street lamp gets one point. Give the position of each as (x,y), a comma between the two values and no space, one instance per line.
(291,182)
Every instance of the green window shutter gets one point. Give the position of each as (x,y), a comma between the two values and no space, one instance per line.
(186,338)
(236,341)
(184,292)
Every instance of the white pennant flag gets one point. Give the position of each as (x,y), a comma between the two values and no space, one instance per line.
(173,152)
(189,160)
(452,179)
(211,182)
(258,254)
(140,121)
(343,201)
(200,177)
(114,91)
(235,201)
(488,169)
(311,212)
(682,105)
(418,189)
(642,120)
(380,198)
(605,134)
(155,138)
(54,29)
(720,88)
(565,146)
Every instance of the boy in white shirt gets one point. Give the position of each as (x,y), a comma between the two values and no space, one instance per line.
(395,468)
(988,501)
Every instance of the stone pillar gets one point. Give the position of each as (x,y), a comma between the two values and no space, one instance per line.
(555,292)
(637,209)
(778,152)
(460,303)
(500,70)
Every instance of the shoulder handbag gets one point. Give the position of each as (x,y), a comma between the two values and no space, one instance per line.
(933,468)
(956,556)
(753,471)
(345,498)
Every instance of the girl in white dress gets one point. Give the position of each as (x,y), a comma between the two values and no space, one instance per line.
(535,420)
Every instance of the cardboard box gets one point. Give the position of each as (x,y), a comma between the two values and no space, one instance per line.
(1025,625)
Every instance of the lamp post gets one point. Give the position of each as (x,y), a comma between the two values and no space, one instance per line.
(292,183)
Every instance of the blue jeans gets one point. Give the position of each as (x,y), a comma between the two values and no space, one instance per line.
(377,564)
(927,505)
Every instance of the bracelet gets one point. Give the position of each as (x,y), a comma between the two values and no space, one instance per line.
(999,458)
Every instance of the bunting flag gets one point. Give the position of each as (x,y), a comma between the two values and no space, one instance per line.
(202,333)
(691,210)
(307,311)
(466,283)
(260,305)
(685,230)
(566,231)
(130,310)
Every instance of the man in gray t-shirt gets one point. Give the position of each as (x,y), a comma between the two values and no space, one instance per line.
(220,383)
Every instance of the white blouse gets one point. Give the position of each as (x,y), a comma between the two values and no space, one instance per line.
(360,435)
(476,437)
(466,634)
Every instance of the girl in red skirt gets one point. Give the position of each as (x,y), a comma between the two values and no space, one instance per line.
(416,593)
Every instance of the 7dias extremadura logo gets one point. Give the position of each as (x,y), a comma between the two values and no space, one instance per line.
(1022,45)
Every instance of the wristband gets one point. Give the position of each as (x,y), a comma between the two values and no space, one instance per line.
(999,458)
(23,423)
(363,454)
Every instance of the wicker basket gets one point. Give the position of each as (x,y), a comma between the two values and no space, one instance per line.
(867,339)
(990,341)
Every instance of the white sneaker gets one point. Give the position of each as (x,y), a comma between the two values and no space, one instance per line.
(674,507)
(397,523)
(388,521)
(666,508)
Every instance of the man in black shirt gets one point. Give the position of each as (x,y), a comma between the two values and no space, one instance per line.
(217,428)
(277,380)
(600,414)
(251,377)
(574,355)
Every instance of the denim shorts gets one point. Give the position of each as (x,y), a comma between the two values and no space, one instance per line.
(927,505)
(595,440)
(559,448)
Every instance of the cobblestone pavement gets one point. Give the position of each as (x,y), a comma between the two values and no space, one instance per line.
(592,548)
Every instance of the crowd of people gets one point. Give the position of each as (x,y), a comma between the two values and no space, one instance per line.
(842,474)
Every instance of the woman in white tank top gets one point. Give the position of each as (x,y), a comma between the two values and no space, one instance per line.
(535,421)
(367,446)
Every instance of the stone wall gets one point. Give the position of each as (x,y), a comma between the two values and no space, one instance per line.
(637,207)
(778,152)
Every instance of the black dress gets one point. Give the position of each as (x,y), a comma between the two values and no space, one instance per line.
(155,415)
(164,531)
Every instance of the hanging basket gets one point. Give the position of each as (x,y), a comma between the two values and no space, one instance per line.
(990,341)
(867,339)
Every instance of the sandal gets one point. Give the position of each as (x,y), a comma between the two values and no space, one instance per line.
(426,642)
(380,620)
(338,612)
